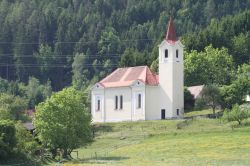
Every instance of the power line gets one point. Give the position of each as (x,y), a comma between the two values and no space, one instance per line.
(61,57)
(65,55)
(55,65)
(73,42)
(25,64)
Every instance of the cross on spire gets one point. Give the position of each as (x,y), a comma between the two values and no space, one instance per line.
(171,33)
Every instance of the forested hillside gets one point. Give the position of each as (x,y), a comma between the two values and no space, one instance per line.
(79,41)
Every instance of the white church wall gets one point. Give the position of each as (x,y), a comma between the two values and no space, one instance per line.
(116,115)
(178,87)
(166,78)
(165,102)
(152,103)
(171,78)
(97,115)
(129,111)
(138,113)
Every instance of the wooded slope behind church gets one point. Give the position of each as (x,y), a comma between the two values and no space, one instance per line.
(136,93)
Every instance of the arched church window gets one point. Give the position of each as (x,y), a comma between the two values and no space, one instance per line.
(139,101)
(116,102)
(166,53)
(98,103)
(177,53)
(121,102)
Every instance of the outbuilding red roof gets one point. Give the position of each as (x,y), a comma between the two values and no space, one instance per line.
(126,77)
(196,90)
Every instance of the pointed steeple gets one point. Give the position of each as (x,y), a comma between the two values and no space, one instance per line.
(171,34)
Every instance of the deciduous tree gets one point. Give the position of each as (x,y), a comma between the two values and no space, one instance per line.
(236,92)
(210,96)
(63,121)
(238,113)
(213,66)
(14,104)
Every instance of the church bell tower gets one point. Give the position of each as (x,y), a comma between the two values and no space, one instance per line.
(171,77)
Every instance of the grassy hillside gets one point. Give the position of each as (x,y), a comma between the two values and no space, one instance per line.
(177,142)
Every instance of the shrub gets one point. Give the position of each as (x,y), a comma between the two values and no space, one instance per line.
(238,113)
(14,104)
(7,138)
(5,114)
(25,141)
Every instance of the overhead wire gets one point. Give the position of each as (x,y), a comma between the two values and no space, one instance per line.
(63,56)
(56,65)
(74,42)
(93,56)
(118,55)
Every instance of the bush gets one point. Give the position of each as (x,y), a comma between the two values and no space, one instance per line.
(36,92)
(5,114)
(7,138)
(238,113)
(25,141)
(14,104)
(15,140)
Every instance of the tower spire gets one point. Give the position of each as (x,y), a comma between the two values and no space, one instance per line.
(171,33)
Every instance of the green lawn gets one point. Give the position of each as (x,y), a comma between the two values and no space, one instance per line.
(196,142)
(200,112)
(189,149)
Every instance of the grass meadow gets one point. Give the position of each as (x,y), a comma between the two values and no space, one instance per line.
(167,142)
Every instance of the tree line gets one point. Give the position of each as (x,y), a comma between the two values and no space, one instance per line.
(80,41)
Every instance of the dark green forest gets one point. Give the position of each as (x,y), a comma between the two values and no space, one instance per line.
(65,42)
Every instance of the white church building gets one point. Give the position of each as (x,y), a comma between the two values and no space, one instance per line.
(136,93)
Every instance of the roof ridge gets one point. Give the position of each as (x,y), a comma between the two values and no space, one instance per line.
(107,77)
(144,74)
(132,67)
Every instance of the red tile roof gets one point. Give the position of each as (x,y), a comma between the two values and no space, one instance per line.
(171,33)
(196,90)
(126,77)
